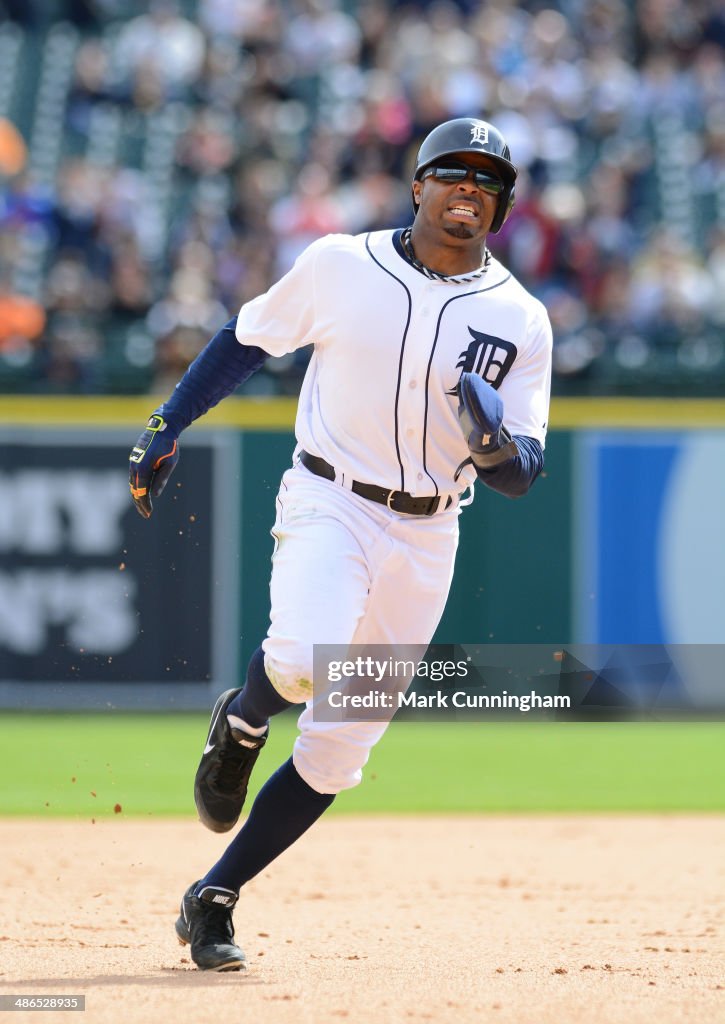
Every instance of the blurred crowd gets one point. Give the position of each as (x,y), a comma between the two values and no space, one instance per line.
(200,146)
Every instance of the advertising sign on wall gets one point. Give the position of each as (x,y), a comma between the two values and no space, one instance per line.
(96,602)
(649,560)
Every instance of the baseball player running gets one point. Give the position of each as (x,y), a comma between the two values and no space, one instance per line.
(430,369)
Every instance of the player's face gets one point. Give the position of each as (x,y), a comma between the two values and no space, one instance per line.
(462,209)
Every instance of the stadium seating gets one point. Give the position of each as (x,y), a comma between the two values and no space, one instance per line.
(121,162)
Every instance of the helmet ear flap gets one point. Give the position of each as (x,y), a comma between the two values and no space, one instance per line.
(505,206)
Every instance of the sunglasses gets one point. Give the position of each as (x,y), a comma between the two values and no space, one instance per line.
(452,174)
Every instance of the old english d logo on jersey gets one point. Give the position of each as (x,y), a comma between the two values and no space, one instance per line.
(488,356)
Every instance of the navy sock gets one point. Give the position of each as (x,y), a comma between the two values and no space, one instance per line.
(258,700)
(284,809)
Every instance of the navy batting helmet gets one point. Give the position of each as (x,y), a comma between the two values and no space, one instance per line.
(469,135)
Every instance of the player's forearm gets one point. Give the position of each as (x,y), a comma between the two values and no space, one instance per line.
(215,373)
(514,477)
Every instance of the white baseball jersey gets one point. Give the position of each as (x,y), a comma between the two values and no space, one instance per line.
(378,400)
(378,403)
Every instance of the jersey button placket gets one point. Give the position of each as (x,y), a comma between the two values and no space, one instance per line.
(412,404)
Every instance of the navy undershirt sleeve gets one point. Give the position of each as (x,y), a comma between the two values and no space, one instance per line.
(514,477)
(215,373)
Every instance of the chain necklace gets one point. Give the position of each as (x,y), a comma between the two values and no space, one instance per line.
(405,240)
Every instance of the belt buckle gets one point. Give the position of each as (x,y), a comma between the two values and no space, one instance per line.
(433,505)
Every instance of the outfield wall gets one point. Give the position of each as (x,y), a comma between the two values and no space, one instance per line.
(618,542)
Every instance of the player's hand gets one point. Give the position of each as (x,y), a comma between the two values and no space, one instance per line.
(152,462)
(480,414)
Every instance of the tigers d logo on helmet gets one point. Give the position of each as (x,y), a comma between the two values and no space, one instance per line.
(479,133)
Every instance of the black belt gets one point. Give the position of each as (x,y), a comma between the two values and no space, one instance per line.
(396,501)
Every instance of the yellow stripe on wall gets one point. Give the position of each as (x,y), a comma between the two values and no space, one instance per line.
(673,413)
(279,413)
(134,411)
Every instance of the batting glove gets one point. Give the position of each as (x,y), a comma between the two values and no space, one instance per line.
(480,414)
(152,462)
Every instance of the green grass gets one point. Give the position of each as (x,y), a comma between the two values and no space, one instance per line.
(146,763)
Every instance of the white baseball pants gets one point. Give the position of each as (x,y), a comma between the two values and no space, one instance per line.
(347,571)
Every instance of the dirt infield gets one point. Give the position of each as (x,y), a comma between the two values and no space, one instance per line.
(527,920)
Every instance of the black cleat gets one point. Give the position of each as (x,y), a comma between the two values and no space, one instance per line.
(220,786)
(205,923)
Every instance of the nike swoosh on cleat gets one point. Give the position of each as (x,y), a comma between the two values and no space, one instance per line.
(210,746)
